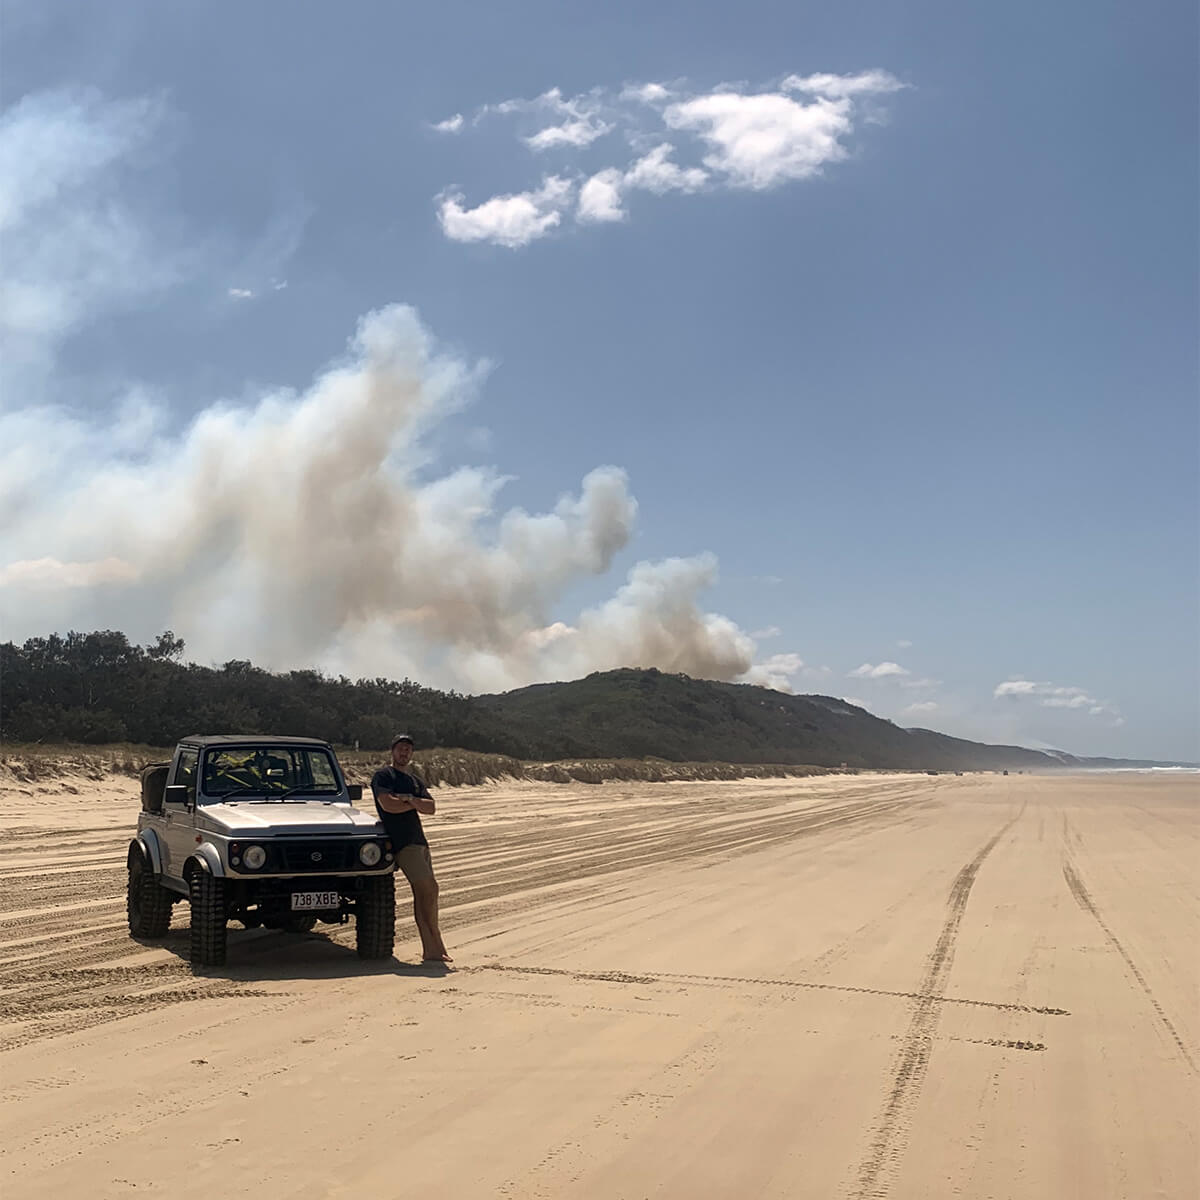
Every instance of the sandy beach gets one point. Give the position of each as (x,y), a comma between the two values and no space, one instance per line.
(859,986)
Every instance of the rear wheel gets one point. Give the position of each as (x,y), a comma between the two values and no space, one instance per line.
(300,923)
(375,918)
(147,902)
(207,896)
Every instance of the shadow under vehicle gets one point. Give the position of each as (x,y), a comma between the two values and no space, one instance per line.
(262,830)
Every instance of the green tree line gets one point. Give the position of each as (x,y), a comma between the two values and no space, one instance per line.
(99,687)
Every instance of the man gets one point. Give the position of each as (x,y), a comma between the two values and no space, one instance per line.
(399,798)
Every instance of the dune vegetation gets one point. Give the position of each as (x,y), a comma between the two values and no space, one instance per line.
(36,763)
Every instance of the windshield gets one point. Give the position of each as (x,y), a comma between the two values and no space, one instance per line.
(271,771)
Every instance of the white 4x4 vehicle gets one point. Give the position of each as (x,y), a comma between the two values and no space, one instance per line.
(262,830)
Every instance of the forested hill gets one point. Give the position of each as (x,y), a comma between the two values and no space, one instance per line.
(639,713)
(99,687)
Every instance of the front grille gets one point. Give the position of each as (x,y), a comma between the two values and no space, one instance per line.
(340,855)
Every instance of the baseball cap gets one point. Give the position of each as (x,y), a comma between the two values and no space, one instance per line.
(403,737)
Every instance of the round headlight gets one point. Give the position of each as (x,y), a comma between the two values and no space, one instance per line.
(254,857)
(369,854)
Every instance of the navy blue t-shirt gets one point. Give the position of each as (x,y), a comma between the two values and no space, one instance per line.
(403,829)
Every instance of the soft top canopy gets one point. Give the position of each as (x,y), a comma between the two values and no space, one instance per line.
(250,739)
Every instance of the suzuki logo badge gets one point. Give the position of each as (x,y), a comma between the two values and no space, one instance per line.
(316,856)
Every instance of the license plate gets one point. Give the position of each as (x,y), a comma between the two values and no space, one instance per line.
(315,901)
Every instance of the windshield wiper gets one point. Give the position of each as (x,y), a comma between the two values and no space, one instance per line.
(270,795)
(240,791)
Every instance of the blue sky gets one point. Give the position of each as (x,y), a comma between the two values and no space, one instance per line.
(856,355)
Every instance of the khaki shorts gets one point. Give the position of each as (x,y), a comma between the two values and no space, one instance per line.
(416,862)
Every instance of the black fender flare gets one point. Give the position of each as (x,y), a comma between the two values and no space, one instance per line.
(204,858)
(145,848)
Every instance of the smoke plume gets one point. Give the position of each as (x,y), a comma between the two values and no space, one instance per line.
(306,529)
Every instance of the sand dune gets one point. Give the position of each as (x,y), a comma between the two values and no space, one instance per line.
(870,986)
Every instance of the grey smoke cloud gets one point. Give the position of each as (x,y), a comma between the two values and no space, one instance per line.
(305,528)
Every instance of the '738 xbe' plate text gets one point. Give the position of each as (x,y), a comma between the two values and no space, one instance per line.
(315,901)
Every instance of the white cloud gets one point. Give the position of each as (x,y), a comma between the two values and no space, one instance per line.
(855,701)
(513,220)
(450,124)
(924,682)
(904,644)
(837,86)
(580,132)
(734,139)
(762,140)
(1016,687)
(1051,695)
(578,119)
(655,173)
(884,670)
(921,706)
(550,100)
(246,293)
(770,631)
(646,93)
(600,198)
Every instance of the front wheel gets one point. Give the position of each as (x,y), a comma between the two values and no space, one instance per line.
(147,902)
(207,896)
(375,918)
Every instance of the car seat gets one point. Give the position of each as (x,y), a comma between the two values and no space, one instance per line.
(275,769)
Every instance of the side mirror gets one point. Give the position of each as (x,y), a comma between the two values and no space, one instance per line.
(176,793)
(354,790)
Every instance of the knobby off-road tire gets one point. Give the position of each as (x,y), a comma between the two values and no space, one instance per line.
(300,923)
(207,896)
(375,918)
(147,902)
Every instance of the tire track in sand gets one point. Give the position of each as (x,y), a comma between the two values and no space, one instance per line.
(891,1133)
(742,980)
(1084,900)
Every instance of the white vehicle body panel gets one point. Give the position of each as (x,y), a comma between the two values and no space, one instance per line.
(303,818)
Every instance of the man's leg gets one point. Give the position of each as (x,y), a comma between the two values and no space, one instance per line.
(425,912)
(417,864)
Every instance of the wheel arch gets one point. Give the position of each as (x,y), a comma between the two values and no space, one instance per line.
(204,858)
(145,846)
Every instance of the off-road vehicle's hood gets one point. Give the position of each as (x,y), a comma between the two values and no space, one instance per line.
(305,817)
